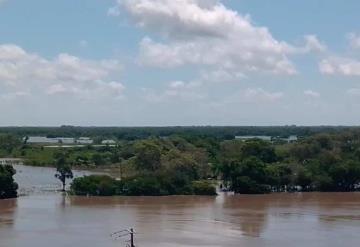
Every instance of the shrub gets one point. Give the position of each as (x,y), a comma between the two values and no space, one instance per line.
(204,188)
(8,188)
(94,185)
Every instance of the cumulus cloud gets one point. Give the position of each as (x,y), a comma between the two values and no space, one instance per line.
(340,66)
(176,90)
(24,71)
(311,94)
(205,32)
(312,43)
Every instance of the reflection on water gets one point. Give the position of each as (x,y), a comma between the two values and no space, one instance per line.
(313,219)
(309,219)
(7,210)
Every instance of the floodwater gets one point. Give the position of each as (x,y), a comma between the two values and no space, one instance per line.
(35,180)
(277,220)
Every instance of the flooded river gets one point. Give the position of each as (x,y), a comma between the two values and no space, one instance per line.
(277,220)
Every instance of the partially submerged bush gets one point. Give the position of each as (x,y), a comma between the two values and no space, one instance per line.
(204,188)
(8,187)
(95,185)
(144,185)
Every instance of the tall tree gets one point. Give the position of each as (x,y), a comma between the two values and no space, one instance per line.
(63,170)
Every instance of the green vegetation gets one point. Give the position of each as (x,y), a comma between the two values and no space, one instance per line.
(324,162)
(97,185)
(160,167)
(180,160)
(8,143)
(8,188)
(138,133)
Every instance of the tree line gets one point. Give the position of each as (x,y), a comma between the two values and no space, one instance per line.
(184,164)
(137,133)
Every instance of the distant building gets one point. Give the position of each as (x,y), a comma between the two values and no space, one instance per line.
(10,161)
(65,140)
(245,138)
(293,138)
(108,142)
(289,139)
(84,140)
(46,140)
(40,140)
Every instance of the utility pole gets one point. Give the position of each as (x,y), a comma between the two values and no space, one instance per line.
(132,237)
(123,233)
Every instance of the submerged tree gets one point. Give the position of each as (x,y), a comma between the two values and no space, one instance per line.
(63,170)
(8,188)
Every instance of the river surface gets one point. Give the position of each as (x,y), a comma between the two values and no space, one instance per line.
(276,220)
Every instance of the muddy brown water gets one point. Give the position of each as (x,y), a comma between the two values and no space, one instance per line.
(276,220)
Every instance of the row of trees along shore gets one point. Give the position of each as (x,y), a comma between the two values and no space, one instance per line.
(184,164)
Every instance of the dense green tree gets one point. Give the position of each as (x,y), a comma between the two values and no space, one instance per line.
(141,185)
(98,159)
(304,179)
(8,187)
(203,188)
(260,149)
(148,155)
(249,176)
(280,177)
(8,143)
(346,175)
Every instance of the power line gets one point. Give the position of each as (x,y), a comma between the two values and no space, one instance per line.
(123,233)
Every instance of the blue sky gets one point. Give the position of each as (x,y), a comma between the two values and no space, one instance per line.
(183,62)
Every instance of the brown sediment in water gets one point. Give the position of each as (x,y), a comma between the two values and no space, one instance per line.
(307,219)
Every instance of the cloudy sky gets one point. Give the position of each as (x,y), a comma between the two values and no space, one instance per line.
(179,62)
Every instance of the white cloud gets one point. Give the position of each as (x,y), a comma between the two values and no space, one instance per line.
(313,44)
(24,71)
(222,75)
(257,95)
(311,94)
(340,66)
(114,11)
(207,33)
(354,40)
(176,90)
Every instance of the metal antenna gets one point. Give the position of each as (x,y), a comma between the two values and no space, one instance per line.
(123,233)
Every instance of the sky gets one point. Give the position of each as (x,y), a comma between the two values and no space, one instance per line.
(179,62)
